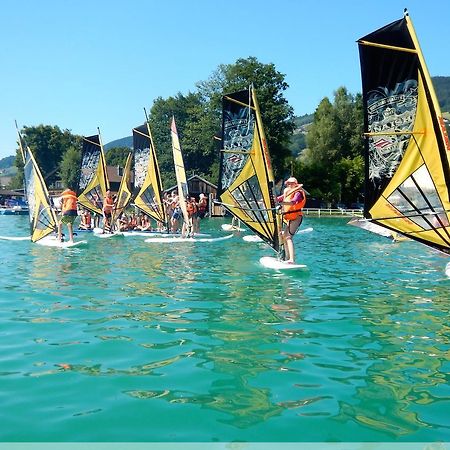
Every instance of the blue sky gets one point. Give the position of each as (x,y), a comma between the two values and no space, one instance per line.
(83,64)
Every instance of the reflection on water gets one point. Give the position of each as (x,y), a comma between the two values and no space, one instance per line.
(355,349)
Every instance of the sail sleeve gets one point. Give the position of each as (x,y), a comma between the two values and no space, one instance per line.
(147,178)
(93,182)
(124,193)
(42,216)
(180,172)
(407,151)
(245,180)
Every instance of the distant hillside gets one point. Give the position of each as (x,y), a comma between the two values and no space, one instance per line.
(442,87)
(298,140)
(7,162)
(123,142)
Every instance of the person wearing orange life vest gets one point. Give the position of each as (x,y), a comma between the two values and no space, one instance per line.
(292,200)
(68,212)
(108,204)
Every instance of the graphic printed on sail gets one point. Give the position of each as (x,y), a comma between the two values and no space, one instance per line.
(407,149)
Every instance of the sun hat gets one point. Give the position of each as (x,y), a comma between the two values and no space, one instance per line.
(292,180)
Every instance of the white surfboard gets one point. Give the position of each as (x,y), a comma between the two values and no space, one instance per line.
(252,238)
(53,241)
(180,239)
(230,227)
(274,263)
(255,238)
(98,232)
(15,238)
(158,234)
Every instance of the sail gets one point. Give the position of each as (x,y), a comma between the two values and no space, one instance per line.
(124,193)
(93,182)
(407,147)
(43,219)
(180,173)
(246,180)
(147,178)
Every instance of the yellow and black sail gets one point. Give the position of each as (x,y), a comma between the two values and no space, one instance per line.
(124,193)
(147,178)
(93,182)
(43,219)
(407,147)
(246,181)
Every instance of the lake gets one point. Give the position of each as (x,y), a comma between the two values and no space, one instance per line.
(122,340)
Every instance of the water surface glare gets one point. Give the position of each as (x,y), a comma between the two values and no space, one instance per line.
(122,340)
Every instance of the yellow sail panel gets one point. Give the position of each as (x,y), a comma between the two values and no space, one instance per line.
(245,180)
(180,172)
(407,151)
(93,182)
(43,219)
(124,193)
(248,197)
(147,178)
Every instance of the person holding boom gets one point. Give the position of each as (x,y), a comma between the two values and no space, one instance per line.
(68,212)
(292,201)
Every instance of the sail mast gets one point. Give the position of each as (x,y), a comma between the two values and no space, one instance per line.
(245,177)
(43,220)
(147,178)
(93,182)
(103,160)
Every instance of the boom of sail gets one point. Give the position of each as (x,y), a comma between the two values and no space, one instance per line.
(180,173)
(93,182)
(147,178)
(43,219)
(246,181)
(407,147)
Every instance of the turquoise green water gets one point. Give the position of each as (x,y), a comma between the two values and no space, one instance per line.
(127,341)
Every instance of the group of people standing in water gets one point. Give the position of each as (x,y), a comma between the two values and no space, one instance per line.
(292,201)
(196,210)
(68,206)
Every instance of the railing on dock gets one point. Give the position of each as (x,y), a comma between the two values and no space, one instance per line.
(219,211)
(332,212)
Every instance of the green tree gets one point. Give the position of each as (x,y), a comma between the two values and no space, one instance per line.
(117,156)
(277,114)
(332,166)
(69,170)
(48,144)
(195,132)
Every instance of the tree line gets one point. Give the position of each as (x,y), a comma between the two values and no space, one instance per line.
(327,158)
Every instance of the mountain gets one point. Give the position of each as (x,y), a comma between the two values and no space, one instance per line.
(7,162)
(123,142)
(442,88)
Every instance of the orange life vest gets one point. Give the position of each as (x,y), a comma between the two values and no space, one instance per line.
(292,212)
(191,208)
(69,201)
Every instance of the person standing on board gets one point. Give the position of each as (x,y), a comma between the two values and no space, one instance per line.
(292,200)
(108,204)
(68,212)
